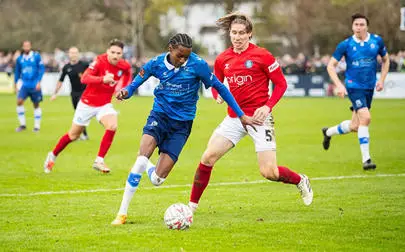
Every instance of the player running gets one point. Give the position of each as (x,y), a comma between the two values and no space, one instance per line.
(74,69)
(29,69)
(169,124)
(360,51)
(101,79)
(247,69)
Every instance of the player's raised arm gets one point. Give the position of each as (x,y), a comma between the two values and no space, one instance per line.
(90,76)
(41,67)
(219,73)
(275,74)
(331,68)
(17,73)
(385,66)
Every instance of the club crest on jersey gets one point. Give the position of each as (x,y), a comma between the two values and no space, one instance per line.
(248,64)
(372,46)
(119,73)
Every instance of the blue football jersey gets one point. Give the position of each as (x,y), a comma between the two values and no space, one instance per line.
(177,93)
(30,69)
(361,60)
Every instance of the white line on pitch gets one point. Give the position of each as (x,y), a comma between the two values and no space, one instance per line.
(189,185)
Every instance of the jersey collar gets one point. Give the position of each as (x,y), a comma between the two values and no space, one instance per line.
(359,41)
(27,56)
(170,66)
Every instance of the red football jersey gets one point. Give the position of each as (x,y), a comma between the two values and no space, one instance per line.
(248,75)
(97,93)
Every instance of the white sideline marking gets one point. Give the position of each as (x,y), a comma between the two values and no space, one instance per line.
(189,185)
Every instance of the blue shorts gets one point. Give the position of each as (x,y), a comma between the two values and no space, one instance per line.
(360,98)
(171,135)
(35,95)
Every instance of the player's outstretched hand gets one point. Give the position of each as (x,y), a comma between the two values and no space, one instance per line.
(220,100)
(341,91)
(122,94)
(379,86)
(53,97)
(261,114)
(247,121)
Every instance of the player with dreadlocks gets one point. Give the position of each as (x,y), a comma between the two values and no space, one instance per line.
(168,126)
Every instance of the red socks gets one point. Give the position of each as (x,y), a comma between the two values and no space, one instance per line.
(201,179)
(63,142)
(106,143)
(287,176)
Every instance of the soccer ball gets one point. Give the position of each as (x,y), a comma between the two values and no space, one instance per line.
(178,216)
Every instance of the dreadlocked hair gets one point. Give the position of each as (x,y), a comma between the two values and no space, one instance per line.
(226,21)
(181,39)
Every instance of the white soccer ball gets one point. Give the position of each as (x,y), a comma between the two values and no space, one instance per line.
(178,216)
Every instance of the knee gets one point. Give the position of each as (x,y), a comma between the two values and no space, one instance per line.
(209,158)
(20,102)
(111,126)
(73,135)
(354,127)
(270,172)
(365,121)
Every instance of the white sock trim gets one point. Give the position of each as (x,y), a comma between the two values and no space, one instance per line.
(155,179)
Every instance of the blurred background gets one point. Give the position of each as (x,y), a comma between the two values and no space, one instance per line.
(302,34)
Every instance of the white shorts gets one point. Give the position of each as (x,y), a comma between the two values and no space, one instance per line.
(84,113)
(263,138)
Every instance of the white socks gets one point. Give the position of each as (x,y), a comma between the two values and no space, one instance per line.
(154,178)
(37,118)
(21,115)
(342,128)
(364,138)
(132,183)
(99,160)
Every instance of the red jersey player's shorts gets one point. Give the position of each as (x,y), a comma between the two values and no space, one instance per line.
(84,113)
(263,137)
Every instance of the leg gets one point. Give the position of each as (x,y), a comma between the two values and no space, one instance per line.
(72,135)
(109,122)
(270,170)
(361,100)
(22,95)
(217,147)
(36,98)
(265,145)
(344,127)
(37,117)
(224,138)
(170,147)
(75,97)
(147,146)
(364,118)
(107,116)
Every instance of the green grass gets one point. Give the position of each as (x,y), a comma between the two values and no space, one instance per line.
(363,213)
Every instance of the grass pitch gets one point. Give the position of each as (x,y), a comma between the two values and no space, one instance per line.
(71,208)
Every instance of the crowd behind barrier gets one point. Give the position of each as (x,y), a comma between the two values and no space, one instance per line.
(306,76)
